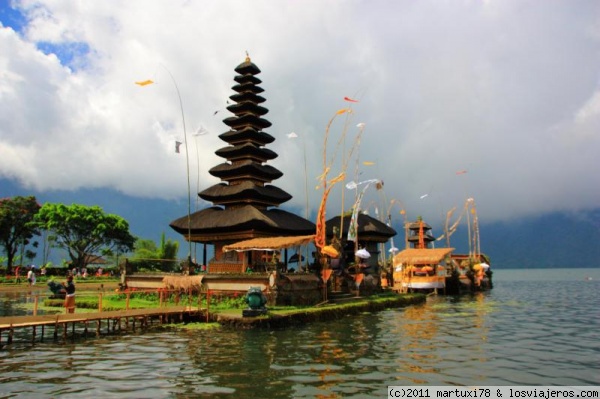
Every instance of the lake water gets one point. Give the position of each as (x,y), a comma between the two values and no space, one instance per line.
(536,327)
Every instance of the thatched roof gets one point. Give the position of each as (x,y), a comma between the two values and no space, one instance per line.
(274,222)
(369,228)
(245,150)
(269,243)
(182,282)
(244,191)
(248,134)
(245,168)
(413,256)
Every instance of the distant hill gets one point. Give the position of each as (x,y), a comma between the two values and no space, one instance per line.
(552,240)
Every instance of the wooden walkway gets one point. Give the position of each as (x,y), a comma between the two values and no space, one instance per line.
(114,321)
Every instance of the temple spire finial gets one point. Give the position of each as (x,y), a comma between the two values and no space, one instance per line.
(247,56)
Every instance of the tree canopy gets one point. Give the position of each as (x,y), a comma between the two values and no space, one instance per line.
(85,230)
(149,256)
(16,228)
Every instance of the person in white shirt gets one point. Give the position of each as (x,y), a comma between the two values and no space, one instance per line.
(31,276)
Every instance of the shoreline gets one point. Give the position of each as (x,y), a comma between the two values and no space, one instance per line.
(42,287)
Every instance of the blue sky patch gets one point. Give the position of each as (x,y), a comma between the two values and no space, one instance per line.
(70,54)
(11,17)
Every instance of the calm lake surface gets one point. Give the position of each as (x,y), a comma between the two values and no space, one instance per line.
(536,327)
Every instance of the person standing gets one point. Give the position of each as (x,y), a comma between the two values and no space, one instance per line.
(18,274)
(70,295)
(31,276)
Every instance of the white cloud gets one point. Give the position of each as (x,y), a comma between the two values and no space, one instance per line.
(505,90)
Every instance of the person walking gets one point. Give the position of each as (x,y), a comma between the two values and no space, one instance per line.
(70,295)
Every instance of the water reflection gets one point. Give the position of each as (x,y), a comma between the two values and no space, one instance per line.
(520,333)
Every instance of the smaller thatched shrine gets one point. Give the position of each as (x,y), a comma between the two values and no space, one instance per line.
(371,234)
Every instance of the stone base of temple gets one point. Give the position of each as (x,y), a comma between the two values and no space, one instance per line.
(254,312)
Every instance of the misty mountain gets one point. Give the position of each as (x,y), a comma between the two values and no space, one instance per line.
(568,239)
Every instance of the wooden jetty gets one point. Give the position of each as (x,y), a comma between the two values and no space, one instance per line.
(114,321)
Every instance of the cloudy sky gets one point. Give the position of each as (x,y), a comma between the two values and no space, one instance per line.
(508,91)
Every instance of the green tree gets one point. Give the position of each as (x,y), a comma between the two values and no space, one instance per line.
(168,248)
(85,230)
(16,228)
(145,249)
(149,256)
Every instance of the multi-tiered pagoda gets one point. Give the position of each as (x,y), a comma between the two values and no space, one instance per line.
(244,202)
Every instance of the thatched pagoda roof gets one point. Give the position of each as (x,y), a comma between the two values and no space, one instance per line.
(246,120)
(242,198)
(246,151)
(246,221)
(234,137)
(247,78)
(425,256)
(247,107)
(243,169)
(245,192)
(239,97)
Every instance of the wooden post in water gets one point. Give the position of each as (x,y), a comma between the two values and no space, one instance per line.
(207,304)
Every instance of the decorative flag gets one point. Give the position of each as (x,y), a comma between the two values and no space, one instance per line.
(461,172)
(292,135)
(177,144)
(424,195)
(350,100)
(200,132)
(342,111)
(325,274)
(358,278)
(144,82)
(353,228)
(320,233)
(368,163)
(360,125)
(351,185)
(330,251)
